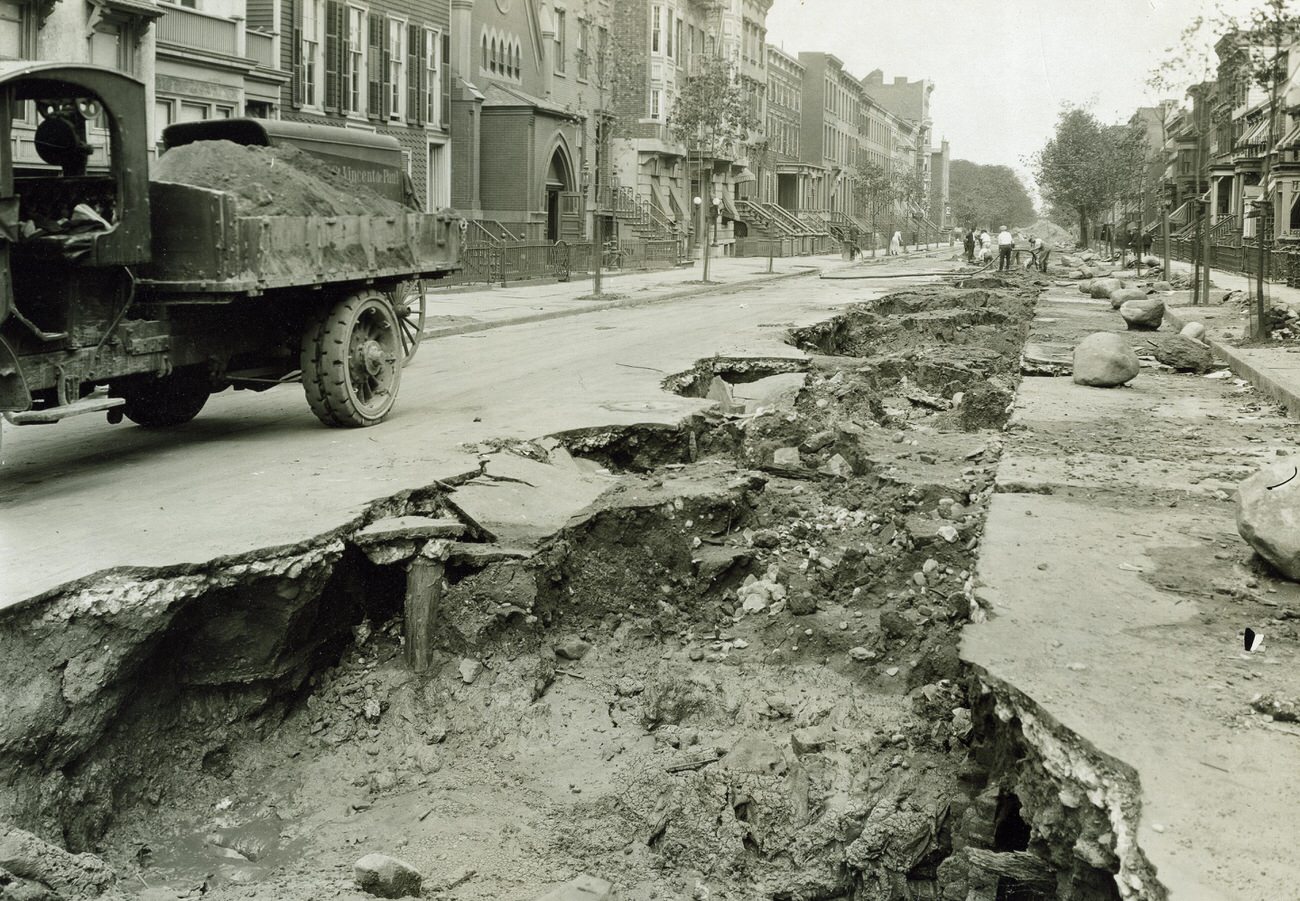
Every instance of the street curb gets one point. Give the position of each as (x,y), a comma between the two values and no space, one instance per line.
(1242,368)
(614,304)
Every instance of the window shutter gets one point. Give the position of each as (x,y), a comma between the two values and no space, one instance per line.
(374,67)
(333,67)
(414,45)
(444,76)
(386,104)
(297,73)
(345,60)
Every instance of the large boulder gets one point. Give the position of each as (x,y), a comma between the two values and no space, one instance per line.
(1104,360)
(1085,286)
(1123,295)
(1194,330)
(1161,286)
(1102,287)
(1143,315)
(1268,514)
(387,877)
(1184,354)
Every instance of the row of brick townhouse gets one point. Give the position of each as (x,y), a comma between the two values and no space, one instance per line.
(824,125)
(1225,159)
(532,117)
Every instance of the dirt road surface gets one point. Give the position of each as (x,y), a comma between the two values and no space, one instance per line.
(258,471)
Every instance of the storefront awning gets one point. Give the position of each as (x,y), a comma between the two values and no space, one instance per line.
(1292,139)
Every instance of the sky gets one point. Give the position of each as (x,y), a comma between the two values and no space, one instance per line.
(1001,70)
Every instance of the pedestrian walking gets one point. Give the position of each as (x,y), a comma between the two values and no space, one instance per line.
(896,244)
(1005,245)
(969,245)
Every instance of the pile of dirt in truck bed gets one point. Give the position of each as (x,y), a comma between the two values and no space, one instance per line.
(271,181)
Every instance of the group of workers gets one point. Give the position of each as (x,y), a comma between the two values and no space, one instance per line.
(1005,243)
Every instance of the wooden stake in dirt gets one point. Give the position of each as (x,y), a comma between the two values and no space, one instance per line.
(424,588)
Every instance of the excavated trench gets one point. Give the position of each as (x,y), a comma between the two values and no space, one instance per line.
(734,676)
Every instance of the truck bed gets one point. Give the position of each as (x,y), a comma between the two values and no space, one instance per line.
(202,246)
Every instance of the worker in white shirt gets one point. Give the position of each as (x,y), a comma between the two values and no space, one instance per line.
(1005,245)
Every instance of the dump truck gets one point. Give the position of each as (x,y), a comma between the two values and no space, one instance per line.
(139,299)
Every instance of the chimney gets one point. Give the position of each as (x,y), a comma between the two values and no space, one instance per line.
(462,40)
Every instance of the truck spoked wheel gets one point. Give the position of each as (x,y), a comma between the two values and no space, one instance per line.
(167,401)
(409,303)
(352,361)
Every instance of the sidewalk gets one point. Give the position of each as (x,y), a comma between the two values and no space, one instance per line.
(1117,590)
(458,311)
(1273,369)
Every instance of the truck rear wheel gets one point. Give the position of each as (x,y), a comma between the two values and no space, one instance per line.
(410,305)
(352,361)
(170,400)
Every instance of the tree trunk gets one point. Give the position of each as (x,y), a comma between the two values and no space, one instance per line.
(1083,228)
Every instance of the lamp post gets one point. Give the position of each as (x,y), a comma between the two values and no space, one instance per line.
(702,236)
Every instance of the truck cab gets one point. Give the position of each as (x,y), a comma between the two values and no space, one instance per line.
(74,220)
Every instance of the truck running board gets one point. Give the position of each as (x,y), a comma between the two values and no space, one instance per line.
(94,404)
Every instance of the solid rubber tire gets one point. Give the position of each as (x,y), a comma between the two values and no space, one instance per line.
(326,375)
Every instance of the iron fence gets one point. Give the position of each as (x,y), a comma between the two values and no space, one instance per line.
(1281,264)
(505,262)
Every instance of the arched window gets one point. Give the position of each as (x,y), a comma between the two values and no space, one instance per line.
(485,52)
(496,56)
(518,63)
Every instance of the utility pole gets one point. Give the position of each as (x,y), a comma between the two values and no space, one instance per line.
(1164,234)
(598,220)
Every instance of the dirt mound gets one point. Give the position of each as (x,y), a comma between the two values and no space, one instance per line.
(270,181)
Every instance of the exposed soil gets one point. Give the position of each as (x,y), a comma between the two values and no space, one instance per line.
(270,181)
(735,677)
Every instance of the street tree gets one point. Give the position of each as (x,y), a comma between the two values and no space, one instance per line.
(910,195)
(713,115)
(876,192)
(604,69)
(982,195)
(1076,169)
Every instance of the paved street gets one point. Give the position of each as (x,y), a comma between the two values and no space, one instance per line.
(255,471)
